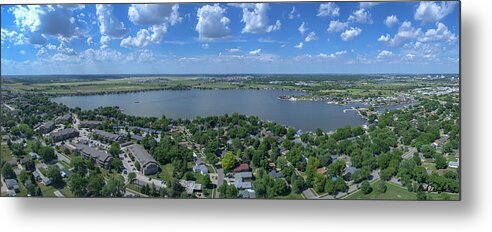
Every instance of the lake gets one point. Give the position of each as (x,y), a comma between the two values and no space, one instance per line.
(304,115)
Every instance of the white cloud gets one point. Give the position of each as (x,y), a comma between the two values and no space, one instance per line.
(294,14)
(367,5)
(256,19)
(391,20)
(351,33)
(328,9)
(141,40)
(432,11)
(300,45)
(255,52)
(311,37)
(22,52)
(361,16)
(13,37)
(39,21)
(405,32)
(441,33)
(302,29)
(384,38)
(90,41)
(234,50)
(109,26)
(384,54)
(212,24)
(50,46)
(333,55)
(205,46)
(336,26)
(154,14)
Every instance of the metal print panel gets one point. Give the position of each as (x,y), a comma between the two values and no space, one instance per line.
(290,100)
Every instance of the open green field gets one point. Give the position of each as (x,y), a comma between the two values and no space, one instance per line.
(395,192)
(6,153)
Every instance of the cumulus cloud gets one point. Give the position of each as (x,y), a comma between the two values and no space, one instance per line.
(299,45)
(212,24)
(384,54)
(367,5)
(256,19)
(109,26)
(13,37)
(205,46)
(90,41)
(441,33)
(41,21)
(157,16)
(432,11)
(336,26)
(384,38)
(391,20)
(302,29)
(141,40)
(311,37)
(405,32)
(361,16)
(255,52)
(351,33)
(154,14)
(294,13)
(328,9)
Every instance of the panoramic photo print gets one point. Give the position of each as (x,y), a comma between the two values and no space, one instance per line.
(286,100)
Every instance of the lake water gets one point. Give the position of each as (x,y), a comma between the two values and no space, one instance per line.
(304,115)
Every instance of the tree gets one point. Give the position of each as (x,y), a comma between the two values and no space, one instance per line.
(382,187)
(77,185)
(8,172)
(23,176)
(441,162)
(116,164)
(279,187)
(137,165)
(47,154)
(114,188)
(95,183)
(54,174)
(115,149)
(365,187)
(298,184)
(231,191)
(228,161)
(319,182)
(131,176)
(421,195)
(79,165)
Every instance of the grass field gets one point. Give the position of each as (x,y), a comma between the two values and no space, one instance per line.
(6,154)
(395,192)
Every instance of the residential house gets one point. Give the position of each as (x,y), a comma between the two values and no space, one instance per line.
(34,155)
(46,127)
(45,180)
(247,194)
(148,165)
(190,186)
(102,158)
(201,168)
(454,164)
(64,134)
(65,118)
(440,141)
(12,184)
(274,174)
(90,124)
(36,176)
(242,180)
(244,167)
(107,136)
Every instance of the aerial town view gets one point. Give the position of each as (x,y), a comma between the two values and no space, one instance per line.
(313,100)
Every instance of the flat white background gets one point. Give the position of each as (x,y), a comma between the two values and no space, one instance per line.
(473,213)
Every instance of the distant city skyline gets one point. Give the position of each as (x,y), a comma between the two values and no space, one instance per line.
(238,38)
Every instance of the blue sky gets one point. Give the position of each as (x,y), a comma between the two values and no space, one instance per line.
(339,37)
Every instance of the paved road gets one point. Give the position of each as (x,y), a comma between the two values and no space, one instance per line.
(309,194)
(58,194)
